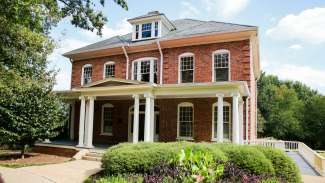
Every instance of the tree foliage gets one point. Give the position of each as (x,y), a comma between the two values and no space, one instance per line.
(28,109)
(290,110)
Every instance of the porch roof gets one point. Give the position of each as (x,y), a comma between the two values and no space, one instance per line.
(185,90)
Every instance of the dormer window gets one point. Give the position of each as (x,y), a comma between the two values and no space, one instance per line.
(156,29)
(146,30)
(137,32)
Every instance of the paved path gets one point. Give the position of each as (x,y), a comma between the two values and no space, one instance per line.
(304,167)
(69,172)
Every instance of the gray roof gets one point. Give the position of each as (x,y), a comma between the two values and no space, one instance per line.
(184,28)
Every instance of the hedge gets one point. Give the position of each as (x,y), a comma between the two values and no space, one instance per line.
(141,157)
(283,165)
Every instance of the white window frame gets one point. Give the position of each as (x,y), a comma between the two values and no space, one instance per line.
(82,73)
(152,30)
(184,104)
(187,54)
(102,121)
(104,70)
(221,51)
(152,62)
(230,120)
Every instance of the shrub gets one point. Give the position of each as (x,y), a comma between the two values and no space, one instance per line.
(141,157)
(248,158)
(283,165)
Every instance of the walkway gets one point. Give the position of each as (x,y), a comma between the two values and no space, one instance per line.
(69,172)
(304,167)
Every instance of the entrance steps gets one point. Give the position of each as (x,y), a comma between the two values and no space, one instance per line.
(93,156)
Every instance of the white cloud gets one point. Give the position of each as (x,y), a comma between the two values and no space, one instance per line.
(188,10)
(296,47)
(315,78)
(225,8)
(307,26)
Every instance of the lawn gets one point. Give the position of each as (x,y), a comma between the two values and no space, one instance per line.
(12,159)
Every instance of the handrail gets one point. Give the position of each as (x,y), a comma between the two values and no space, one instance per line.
(311,156)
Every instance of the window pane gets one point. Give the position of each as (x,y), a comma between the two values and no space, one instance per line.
(186,121)
(108,120)
(187,76)
(137,32)
(87,75)
(156,29)
(145,71)
(146,30)
(109,70)
(221,66)
(186,69)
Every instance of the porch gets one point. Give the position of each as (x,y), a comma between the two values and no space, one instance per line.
(134,112)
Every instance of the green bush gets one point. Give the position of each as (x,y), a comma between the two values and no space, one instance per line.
(283,165)
(141,157)
(248,158)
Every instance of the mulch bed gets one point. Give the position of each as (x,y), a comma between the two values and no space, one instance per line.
(12,158)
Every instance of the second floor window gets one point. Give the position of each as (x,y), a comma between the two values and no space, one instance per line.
(109,69)
(146,30)
(221,65)
(86,74)
(145,70)
(186,68)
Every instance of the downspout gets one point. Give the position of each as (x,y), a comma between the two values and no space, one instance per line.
(127,62)
(246,110)
(161,63)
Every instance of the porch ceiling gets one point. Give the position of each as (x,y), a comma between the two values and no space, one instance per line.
(189,90)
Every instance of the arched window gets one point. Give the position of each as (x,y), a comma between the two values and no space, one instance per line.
(145,69)
(185,121)
(227,124)
(186,68)
(86,75)
(221,65)
(109,69)
(107,119)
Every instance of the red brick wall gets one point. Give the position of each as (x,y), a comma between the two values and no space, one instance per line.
(239,59)
(168,119)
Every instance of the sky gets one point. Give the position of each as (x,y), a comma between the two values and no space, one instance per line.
(291,32)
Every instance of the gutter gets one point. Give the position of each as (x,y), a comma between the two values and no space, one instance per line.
(127,62)
(161,63)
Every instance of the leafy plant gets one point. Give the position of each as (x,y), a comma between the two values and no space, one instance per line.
(201,165)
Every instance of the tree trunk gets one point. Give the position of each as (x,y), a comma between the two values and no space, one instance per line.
(23,150)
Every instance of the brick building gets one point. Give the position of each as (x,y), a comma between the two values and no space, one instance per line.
(166,81)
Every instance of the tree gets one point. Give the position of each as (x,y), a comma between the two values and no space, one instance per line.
(28,109)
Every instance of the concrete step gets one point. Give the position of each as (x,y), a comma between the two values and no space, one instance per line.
(91,158)
(95,154)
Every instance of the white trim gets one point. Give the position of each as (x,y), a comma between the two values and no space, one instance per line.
(187,54)
(127,62)
(102,120)
(221,51)
(185,104)
(104,69)
(246,116)
(139,60)
(230,122)
(82,73)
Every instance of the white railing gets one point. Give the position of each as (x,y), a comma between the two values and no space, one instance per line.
(312,157)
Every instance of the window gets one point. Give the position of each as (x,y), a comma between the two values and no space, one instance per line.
(156,29)
(221,65)
(86,74)
(109,70)
(107,119)
(227,126)
(186,68)
(185,120)
(137,32)
(145,69)
(146,30)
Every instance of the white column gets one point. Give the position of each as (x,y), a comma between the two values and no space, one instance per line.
(152,119)
(241,121)
(148,118)
(72,113)
(235,118)
(136,119)
(82,121)
(246,110)
(220,118)
(90,123)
